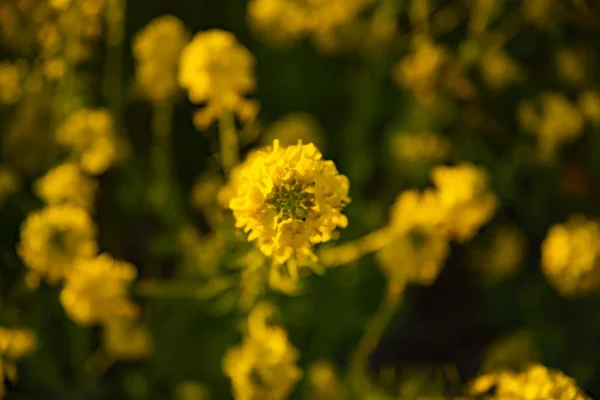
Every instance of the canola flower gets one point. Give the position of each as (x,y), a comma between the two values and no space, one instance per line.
(90,135)
(415,147)
(553,119)
(503,255)
(67,184)
(96,289)
(14,345)
(499,70)
(218,72)
(11,82)
(421,69)
(589,104)
(53,238)
(123,339)
(571,256)
(534,383)
(157,50)
(264,365)
(293,127)
(288,199)
(325,383)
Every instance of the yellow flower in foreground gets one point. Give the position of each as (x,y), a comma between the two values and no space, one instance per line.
(14,344)
(263,366)
(96,290)
(419,249)
(289,199)
(217,70)
(157,49)
(124,340)
(52,238)
(465,197)
(553,119)
(571,256)
(90,135)
(535,383)
(66,183)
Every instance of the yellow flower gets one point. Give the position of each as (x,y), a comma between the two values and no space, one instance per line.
(11,85)
(419,71)
(124,340)
(14,344)
(293,127)
(570,65)
(465,197)
(553,119)
(217,70)
(90,135)
(263,366)
(535,383)
(499,69)
(96,288)
(289,199)
(192,391)
(419,249)
(413,147)
(515,350)
(8,183)
(503,255)
(53,237)
(66,183)
(570,256)
(157,49)
(324,382)
(589,104)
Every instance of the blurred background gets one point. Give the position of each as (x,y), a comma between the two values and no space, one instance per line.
(399,87)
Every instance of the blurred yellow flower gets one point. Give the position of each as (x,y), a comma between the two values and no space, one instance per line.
(96,289)
(11,82)
(515,350)
(263,366)
(465,197)
(14,344)
(537,11)
(422,146)
(419,70)
(289,199)
(293,127)
(157,50)
(570,256)
(191,391)
(218,71)
(499,69)
(535,383)
(553,119)
(589,104)
(8,183)
(570,65)
(503,255)
(324,382)
(126,340)
(66,183)
(90,135)
(53,237)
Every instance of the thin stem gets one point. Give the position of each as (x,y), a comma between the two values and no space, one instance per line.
(356,249)
(113,69)
(228,142)
(161,152)
(181,289)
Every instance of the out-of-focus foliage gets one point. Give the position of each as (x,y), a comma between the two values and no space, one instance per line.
(303,199)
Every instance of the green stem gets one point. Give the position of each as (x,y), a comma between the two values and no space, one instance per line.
(228,142)
(161,152)
(113,69)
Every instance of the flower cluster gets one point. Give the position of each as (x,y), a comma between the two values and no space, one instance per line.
(535,383)
(14,345)
(263,366)
(90,135)
(289,199)
(218,71)
(571,256)
(157,49)
(66,183)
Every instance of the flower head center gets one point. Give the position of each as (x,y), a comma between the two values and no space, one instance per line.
(292,201)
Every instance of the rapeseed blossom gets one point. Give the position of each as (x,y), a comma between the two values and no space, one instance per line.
(90,135)
(96,289)
(571,256)
(14,345)
(11,82)
(218,71)
(53,238)
(66,183)
(157,50)
(264,365)
(289,199)
(124,339)
(534,383)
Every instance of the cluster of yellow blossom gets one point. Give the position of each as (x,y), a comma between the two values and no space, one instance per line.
(535,383)
(124,340)
(54,237)
(423,223)
(293,127)
(589,104)
(502,256)
(553,119)
(66,183)
(157,50)
(325,21)
(14,344)
(90,135)
(218,71)
(324,382)
(263,366)
(571,256)
(419,146)
(289,199)
(499,69)
(11,82)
